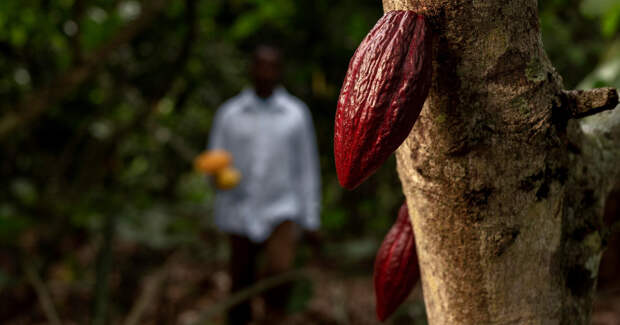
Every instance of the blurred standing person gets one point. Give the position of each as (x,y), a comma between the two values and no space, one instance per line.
(270,135)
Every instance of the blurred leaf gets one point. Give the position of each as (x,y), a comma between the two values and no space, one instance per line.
(193,187)
(611,21)
(11,225)
(301,294)
(594,8)
(334,219)
(99,26)
(24,191)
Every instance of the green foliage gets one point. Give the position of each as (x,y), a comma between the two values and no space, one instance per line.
(608,11)
(573,45)
(105,138)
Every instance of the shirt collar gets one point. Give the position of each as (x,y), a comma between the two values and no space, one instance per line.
(270,103)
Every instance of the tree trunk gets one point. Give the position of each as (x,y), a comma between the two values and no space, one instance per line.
(505,187)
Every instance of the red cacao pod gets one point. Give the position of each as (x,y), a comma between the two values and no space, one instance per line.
(396,266)
(382,95)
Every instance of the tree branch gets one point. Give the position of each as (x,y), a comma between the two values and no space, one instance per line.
(43,293)
(38,101)
(582,103)
(152,285)
(250,292)
(595,160)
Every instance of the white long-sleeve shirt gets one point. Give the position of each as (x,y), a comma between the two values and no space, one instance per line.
(273,144)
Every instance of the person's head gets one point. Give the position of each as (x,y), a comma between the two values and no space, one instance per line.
(266,69)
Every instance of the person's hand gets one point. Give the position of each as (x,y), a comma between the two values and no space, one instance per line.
(218,164)
(210,162)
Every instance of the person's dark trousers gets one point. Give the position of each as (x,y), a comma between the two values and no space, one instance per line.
(280,254)
(243,254)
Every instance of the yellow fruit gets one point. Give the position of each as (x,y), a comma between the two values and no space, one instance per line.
(227,178)
(211,161)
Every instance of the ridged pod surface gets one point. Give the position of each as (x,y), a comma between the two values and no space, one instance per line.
(396,266)
(382,95)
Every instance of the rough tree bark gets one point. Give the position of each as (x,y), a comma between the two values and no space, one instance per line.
(505,186)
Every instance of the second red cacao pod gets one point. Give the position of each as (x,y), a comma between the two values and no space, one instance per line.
(396,266)
(382,95)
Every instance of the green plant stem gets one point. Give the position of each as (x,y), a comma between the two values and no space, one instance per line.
(104,262)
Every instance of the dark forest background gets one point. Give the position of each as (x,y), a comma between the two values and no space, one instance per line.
(103,106)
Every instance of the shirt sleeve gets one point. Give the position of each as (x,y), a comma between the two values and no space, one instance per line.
(310,179)
(216,135)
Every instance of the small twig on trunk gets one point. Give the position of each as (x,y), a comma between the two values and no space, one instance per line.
(250,292)
(582,103)
(43,294)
